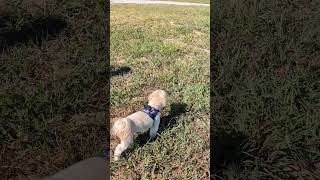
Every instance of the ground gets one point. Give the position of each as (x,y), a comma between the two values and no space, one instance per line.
(191,1)
(53,88)
(54,85)
(265,89)
(167,47)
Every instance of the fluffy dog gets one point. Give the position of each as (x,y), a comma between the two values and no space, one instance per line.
(139,121)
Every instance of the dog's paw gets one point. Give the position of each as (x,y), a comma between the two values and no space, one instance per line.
(116,158)
(153,136)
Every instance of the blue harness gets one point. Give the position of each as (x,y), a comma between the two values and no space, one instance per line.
(151,111)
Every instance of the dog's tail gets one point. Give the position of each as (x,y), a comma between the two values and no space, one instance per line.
(123,128)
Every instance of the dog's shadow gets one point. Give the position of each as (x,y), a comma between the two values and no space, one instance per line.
(166,122)
(228,149)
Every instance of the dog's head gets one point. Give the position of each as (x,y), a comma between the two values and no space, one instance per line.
(158,98)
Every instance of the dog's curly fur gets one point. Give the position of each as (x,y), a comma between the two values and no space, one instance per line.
(125,128)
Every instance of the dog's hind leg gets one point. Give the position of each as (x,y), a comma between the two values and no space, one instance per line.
(122,147)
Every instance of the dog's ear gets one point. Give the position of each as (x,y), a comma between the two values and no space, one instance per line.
(165,98)
(152,95)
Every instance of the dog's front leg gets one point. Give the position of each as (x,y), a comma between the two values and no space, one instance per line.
(155,126)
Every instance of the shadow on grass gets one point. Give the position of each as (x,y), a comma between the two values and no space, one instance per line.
(166,122)
(120,71)
(36,30)
(176,109)
(227,149)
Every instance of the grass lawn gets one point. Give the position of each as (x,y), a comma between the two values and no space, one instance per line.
(266,89)
(191,1)
(164,47)
(53,88)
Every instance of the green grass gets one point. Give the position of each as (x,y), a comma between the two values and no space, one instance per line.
(168,48)
(191,1)
(52,96)
(266,89)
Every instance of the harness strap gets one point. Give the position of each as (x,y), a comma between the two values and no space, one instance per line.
(151,111)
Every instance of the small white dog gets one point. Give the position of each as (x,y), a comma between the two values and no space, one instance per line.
(139,121)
